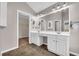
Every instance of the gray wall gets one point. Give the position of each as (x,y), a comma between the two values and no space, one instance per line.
(23,26)
(8,35)
(74,16)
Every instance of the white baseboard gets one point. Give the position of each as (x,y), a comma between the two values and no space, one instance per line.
(76,54)
(8,50)
(23,37)
(45,43)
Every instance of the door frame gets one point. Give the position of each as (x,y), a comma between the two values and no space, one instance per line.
(18,15)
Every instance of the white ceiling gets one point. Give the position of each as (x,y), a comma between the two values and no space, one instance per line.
(39,6)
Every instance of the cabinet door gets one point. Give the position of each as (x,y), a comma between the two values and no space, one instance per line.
(52,43)
(62,47)
(34,38)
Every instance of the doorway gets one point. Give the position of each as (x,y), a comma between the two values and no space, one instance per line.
(22,25)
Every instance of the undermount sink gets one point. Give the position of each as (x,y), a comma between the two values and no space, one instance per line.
(58,32)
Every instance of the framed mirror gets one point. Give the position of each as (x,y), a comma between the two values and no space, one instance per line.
(57,25)
(65,20)
(33,24)
(50,25)
(42,25)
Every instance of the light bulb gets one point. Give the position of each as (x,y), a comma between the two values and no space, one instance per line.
(53,9)
(64,4)
(58,7)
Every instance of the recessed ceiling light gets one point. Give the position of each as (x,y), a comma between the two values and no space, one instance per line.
(58,7)
(53,9)
(64,4)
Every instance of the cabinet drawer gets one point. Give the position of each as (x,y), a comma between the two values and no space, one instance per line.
(52,37)
(63,38)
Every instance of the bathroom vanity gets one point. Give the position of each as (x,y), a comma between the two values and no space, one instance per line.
(52,31)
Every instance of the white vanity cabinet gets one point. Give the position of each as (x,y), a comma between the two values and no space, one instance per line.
(58,44)
(52,43)
(35,38)
(3,14)
(63,45)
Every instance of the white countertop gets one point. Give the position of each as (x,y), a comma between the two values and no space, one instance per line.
(51,32)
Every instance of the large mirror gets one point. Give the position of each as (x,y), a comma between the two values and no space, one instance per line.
(65,20)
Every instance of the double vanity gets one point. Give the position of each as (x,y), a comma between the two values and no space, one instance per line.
(56,42)
(51,31)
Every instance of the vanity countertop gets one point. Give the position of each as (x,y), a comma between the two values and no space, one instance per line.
(55,33)
(34,31)
(50,33)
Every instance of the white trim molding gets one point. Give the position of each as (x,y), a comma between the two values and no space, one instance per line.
(76,54)
(25,14)
(8,50)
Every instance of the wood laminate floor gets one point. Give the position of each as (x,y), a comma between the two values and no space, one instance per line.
(26,49)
